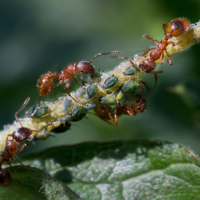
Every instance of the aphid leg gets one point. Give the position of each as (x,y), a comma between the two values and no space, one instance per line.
(150,38)
(100,54)
(24,104)
(168,58)
(164,27)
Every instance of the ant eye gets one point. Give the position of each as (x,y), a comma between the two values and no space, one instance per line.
(81,70)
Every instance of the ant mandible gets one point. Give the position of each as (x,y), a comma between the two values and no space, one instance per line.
(46,84)
(11,149)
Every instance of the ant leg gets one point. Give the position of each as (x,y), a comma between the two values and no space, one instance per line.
(142,88)
(24,104)
(184,40)
(7,137)
(145,52)
(168,58)
(164,27)
(162,58)
(15,177)
(78,82)
(69,94)
(150,38)
(147,88)
(55,94)
(100,54)
(155,74)
(19,149)
(134,65)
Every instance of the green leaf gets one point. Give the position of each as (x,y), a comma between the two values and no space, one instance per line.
(137,169)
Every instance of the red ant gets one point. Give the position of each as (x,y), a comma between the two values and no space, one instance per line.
(45,83)
(107,113)
(11,149)
(176,28)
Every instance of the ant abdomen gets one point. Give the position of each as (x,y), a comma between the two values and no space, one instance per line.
(5,178)
(178,26)
(147,66)
(21,134)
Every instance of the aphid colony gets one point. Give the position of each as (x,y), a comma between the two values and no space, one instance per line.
(91,96)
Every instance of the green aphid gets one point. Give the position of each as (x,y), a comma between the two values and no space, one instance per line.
(80,91)
(129,87)
(35,111)
(78,113)
(66,118)
(108,99)
(130,71)
(90,106)
(62,128)
(91,91)
(67,104)
(42,135)
(96,75)
(110,82)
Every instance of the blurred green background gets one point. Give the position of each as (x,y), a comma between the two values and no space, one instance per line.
(40,36)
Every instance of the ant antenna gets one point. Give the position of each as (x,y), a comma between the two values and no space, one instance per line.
(24,104)
(125,58)
(100,54)
(42,128)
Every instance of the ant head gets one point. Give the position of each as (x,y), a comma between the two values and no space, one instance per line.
(21,134)
(11,145)
(178,26)
(147,66)
(5,178)
(45,84)
(141,104)
(84,67)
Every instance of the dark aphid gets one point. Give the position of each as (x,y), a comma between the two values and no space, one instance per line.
(110,82)
(62,128)
(130,71)
(67,104)
(78,113)
(80,91)
(91,91)
(129,87)
(109,99)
